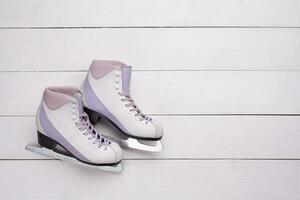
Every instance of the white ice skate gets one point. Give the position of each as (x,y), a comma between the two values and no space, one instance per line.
(106,93)
(65,132)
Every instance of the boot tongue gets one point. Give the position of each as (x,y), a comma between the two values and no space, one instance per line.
(126,76)
(77,96)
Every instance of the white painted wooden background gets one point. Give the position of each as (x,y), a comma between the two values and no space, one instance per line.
(222,76)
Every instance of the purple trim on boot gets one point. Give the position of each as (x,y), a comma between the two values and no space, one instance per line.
(94,103)
(53,133)
(126,76)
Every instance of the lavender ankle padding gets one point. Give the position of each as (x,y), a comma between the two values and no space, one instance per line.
(54,134)
(100,68)
(94,103)
(56,97)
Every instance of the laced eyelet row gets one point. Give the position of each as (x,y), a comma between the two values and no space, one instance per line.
(85,130)
(132,110)
(117,85)
(73,106)
(117,80)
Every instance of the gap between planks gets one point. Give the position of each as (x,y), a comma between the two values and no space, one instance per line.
(171,159)
(143,27)
(179,115)
(155,70)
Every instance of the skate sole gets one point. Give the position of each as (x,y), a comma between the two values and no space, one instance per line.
(91,112)
(50,153)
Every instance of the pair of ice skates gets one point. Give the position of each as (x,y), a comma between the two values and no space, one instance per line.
(66,114)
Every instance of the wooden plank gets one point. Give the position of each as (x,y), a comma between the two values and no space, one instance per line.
(237,137)
(56,13)
(211,180)
(172,92)
(151,49)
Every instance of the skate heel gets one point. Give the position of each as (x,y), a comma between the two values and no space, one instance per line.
(93,116)
(45,141)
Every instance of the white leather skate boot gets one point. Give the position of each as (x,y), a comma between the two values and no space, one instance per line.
(106,93)
(65,133)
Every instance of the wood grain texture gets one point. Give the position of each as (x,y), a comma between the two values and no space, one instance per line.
(95,13)
(193,137)
(218,180)
(223,77)
(172,92)
(151,49)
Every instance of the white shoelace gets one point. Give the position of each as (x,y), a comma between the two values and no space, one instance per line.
(85,124)
(134,108)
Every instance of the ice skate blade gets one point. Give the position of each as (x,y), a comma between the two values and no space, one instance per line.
(135,144)
(46,152)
